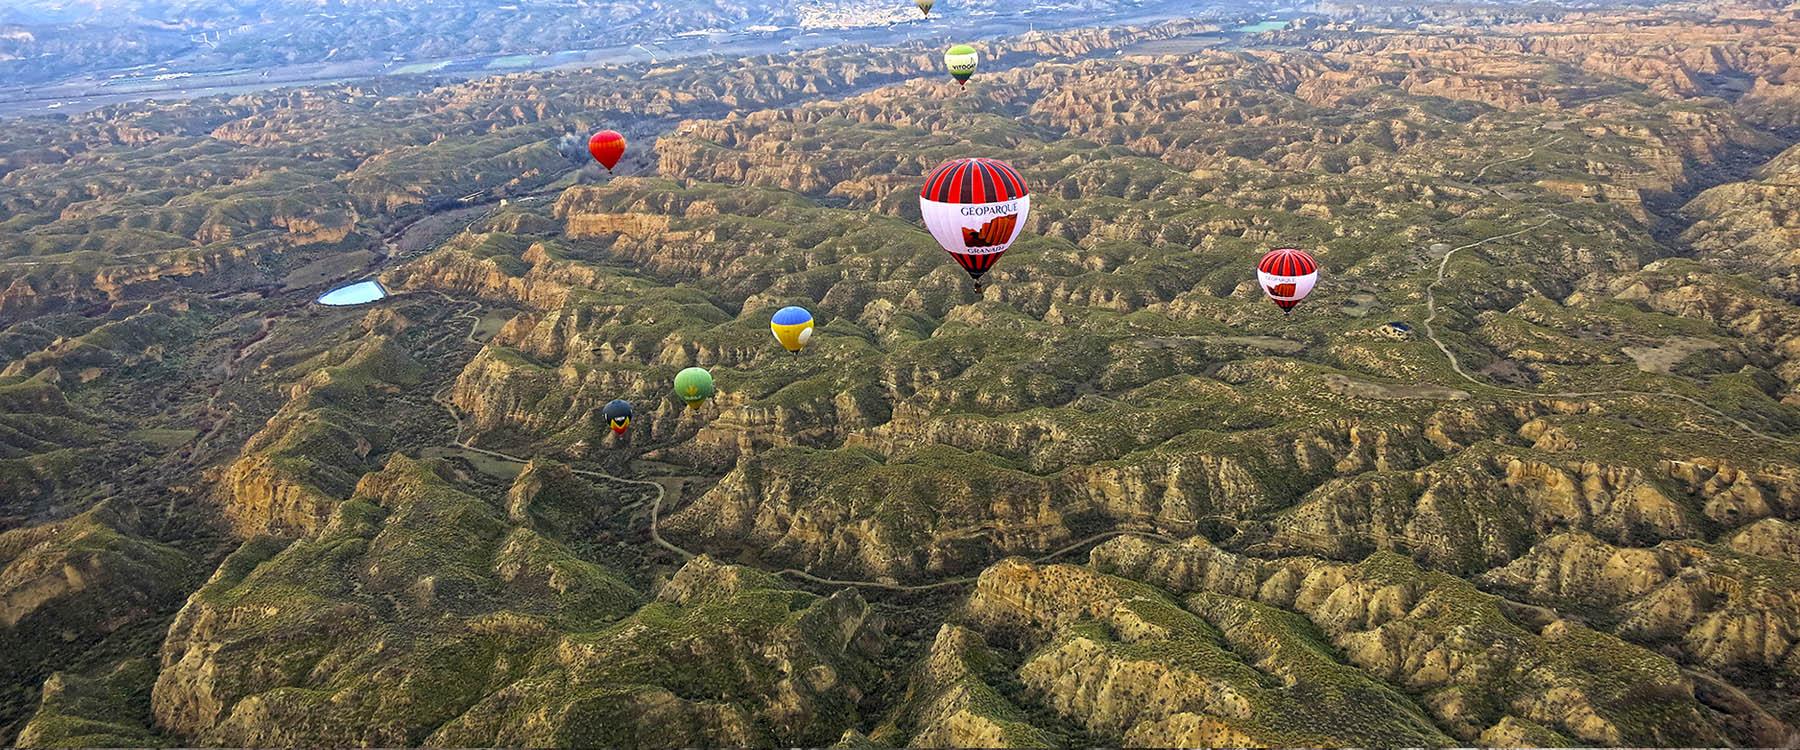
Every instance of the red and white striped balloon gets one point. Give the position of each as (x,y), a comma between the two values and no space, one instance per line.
(1287,275)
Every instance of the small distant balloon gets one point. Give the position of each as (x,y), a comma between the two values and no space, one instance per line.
(925,5)
(1287,275)
(793,327)
(694,385)
(606,147)
(961,61)
(618,415)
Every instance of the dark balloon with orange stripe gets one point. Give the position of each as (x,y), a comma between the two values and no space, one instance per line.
(618,415)
(606,147)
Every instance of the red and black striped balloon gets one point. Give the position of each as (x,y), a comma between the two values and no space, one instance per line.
(974,180)
(1287,261)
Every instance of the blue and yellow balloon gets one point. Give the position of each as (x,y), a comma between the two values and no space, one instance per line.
(793,327)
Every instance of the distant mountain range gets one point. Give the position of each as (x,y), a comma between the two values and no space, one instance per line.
(43,41)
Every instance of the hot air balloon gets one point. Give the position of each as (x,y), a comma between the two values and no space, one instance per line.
(607,146)
(694,385)
(1287,275)
(793,327)
(961,61)
(975,208)
(925,5)
(618,415)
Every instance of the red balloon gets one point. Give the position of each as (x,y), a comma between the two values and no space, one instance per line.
(607,146)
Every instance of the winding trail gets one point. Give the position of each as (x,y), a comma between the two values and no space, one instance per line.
(656,503)
(1431,308)
(459,443)
(1480,173)
(656,536)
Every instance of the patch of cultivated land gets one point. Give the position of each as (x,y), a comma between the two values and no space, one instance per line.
(1662,358)
(1348,386)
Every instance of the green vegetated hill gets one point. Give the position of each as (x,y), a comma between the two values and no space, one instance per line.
(1115,497)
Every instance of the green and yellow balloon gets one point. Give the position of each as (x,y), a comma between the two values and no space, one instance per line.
(924,5)
(961,61)
(793,327)
(694,385)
